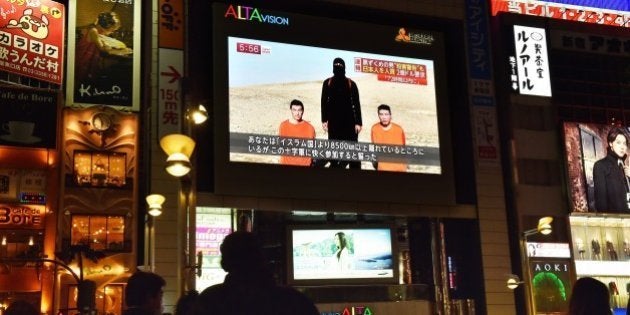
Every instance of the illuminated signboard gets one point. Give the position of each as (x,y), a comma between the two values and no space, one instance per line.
(548,250)
(615,13)
(213,225)
(531,61)
(32,39)
(21,216)
(596,181)
(551,285)
(105,71)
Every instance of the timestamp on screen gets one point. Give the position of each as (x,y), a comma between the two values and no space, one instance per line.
(248,48)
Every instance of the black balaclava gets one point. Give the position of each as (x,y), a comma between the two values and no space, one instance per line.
(339,67)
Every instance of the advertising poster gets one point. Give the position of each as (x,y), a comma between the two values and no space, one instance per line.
(28,118)
(551,285)
(481,88)
(597,169)
(321,254)
(31,39)
(104,43)
(532,61)
(213,225)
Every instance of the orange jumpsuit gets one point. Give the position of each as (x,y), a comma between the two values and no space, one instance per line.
(394,136)
(302,129)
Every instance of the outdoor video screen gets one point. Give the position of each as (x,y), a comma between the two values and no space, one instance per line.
(293,104)
(350,254)
(409,142)
(598,168)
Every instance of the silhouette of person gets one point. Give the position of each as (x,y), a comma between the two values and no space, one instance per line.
(249,287)
(589,297)
(341,110)
(186,302)
(143,294)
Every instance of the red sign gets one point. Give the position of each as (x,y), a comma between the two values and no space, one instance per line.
(562,12)
(31,39)
(21,216)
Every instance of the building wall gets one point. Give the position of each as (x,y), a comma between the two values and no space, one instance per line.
(490,207)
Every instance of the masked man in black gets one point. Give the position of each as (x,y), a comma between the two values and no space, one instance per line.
(341,110)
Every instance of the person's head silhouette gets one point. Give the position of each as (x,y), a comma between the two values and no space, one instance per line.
(241,253)
(589,297)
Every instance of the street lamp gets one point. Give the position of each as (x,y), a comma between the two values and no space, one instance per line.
(155,202)
(198,114)
(544,228)
(178,148)
(513,281)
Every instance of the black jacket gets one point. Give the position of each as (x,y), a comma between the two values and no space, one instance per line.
(610,185)
(245,294)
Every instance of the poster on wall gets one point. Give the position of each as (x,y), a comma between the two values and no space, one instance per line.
(104,49)
(212,226)
(531,61)
(598,168)
(551,285)
(32,39)
(28,117)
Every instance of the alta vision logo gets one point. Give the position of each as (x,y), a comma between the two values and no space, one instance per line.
(253,14)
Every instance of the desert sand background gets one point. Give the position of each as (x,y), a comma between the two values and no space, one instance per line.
(260,109)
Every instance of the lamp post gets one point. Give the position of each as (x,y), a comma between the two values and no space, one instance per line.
(179,149)
(154,202)
(544,228)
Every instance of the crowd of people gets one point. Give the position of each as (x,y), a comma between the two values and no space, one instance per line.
(248,287)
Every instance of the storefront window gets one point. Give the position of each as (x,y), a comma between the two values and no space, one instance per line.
(109,301)
(22,244)
(100,169)
(98,232)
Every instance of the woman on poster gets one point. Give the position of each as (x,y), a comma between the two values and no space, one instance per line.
(610,175)
(95,43)
(342,255)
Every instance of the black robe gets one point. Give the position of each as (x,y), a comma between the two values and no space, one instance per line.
(341,108)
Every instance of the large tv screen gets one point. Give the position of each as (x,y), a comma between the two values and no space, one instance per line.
(297,104)
(343,255)
(305,73)
(598,168)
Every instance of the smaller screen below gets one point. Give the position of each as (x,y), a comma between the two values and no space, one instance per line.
(342,254)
